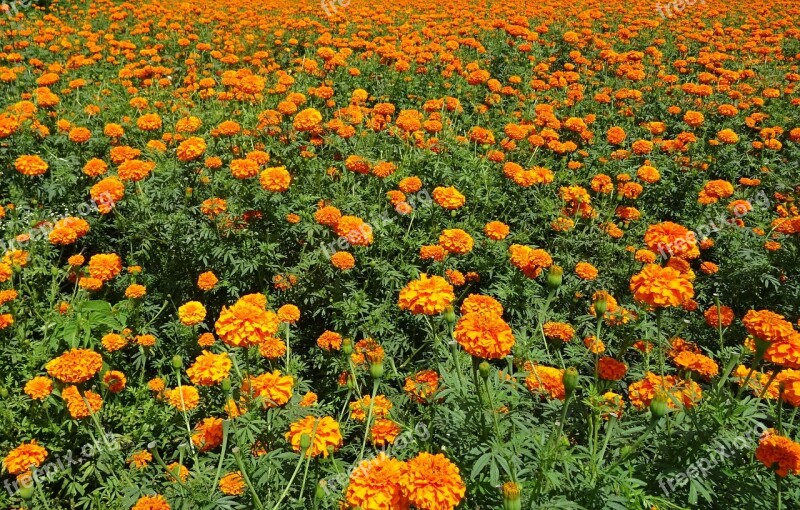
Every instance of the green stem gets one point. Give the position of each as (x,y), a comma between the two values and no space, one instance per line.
(256,500)
(369,418)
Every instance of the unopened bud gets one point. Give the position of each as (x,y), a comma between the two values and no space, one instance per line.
(600,306)
(305,442)
(570,380)
(347,346)
(177,361)
(555,276)
(450,315)
(511,496)
(658,406)
(226,384)
(483,369)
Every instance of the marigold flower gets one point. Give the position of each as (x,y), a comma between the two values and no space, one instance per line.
(207,281)
(276,179)
(456,241)
(343,260)
(427,296)
(529,260)
(484,335)
(115,380)
(184,398)
(209,369)
(779,453)
(448,198)
(75,366)
(289,314)
(192,313)
(31,165)
(20,459)
(232,484)
(610,369)
(432,482)
(323,432)
(275,389)
(678,391)
(157,502)
(375,485)
(661,286)
(246,323)
(207,434)
(39,388)
(76,403)
(545,380)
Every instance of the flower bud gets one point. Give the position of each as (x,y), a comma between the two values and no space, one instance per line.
(658,406)
(319,492)
(376,369)
(26,492)
(570,380)
(511,496)
(3,392)
(351,382)
(305,442)
(555,276)
(450,315)
(347,346)
(226,384)
(177,361)
(483,369)
(600,306)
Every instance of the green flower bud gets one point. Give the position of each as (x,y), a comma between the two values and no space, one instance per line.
(305,442)
(483,369)
(26,492)
(658,406)
(347,346)
(511,496)
(177,361)
(226,384)
(600,306)
(450,315)
(555,276)
(570,380)
(376,370)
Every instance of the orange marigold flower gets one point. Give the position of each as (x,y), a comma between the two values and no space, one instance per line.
(192,313)
(209,369)
(678,391)
(207,281)
(208,434)
(375,485)
(157,502)
(343,260)
(428,296)
(545,380)
(432,482)
(330,340)
(529,260)
(246,323)
(448,198)
(779,453)
(323,432)
(275,179)
(20,459)
(610,369)
(76,403)
(422,385)
(484,335)
(585,271)
(661,286)
(380,407)
(456,241)
(75,366)
(482,304)
(289,314)
(232,484)
(191,149)
(184,398)
(273,388)
(496,230)
(31,165)
(39,388)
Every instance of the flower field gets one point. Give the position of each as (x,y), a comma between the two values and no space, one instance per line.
(400,255)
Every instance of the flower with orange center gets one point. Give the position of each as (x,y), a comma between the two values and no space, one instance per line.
(779,453)
(105,266)
(140,459)
(157,502)
(207,281)
(246,323)
(135,291)
(375,485)
(275,179)
(232,484)
(113,342)
(328,216)
(545,380)
(208,434)
(380,407)
(272,348)
(496,230)
(594,345)
(610,369)
(23,457)
(244,168)
(422,385)
(432,482)
(426,296)
(529,260)
(76,403)
(324,433)
(482,304)
(192,313)
(484,335)
(31,165)
(115,380)
(39,388)
(355,230)
(670,239)
(307,120)
(330,340)
(448,198)
(767,326)
(135,170)
(289,314)
(558,331)
(184,398)
(209,369)
(75,366)
(678,391)
(343,260)
(273,388)
(191,149)
(661,287)
(697,362)
(106,193)
(456,241)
